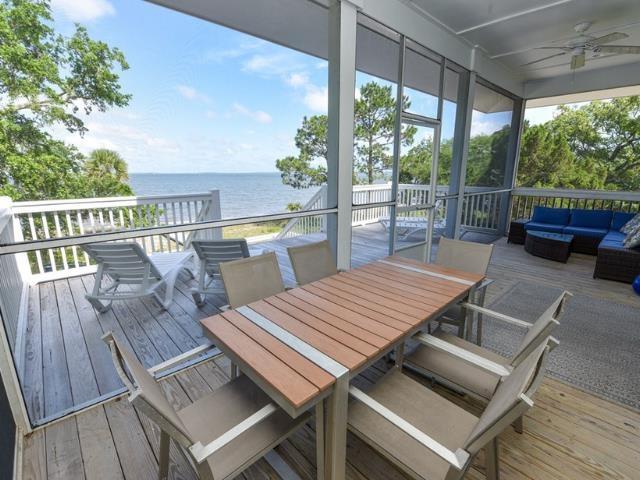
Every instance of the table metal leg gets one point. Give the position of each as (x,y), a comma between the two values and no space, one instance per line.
(336,431)
(320,440)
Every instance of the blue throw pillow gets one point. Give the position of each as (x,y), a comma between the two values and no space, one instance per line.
(554,216)
(633,239)
(631,224)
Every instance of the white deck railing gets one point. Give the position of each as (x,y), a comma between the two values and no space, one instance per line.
(13,278)
(70,218)
(480,210)
(523,200)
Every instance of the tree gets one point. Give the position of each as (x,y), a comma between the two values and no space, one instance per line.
(48,80)
(605,135)
(373,134)
(106,174)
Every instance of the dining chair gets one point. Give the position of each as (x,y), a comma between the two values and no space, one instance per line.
(250,279)
(312,262)
(221,434)
(211,254)
(467,368)
(469,257)
(429,437)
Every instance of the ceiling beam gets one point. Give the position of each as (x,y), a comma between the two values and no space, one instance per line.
(512,16)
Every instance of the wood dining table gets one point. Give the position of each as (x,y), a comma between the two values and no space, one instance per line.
(303,346)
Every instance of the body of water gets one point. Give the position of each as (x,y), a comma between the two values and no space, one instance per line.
(241,194)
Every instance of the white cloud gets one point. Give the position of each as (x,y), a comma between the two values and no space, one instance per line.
(218,56)
(297,80)
(317,98)
(191,93)
(83,10)
(257,115)
(269,65)
(485,127)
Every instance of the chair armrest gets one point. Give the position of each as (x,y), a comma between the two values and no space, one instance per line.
(202,452)
(172,362)
(484,284)
(463,354)
(457,459)
(496,315)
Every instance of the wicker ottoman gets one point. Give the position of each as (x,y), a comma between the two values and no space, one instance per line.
(517,233)
(620,264)
(553,246)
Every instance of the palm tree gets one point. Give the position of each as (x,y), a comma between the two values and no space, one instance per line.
(104,163)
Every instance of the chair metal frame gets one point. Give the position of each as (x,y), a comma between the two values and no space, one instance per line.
(126,263)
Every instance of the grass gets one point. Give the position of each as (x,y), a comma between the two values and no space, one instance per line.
(252,229)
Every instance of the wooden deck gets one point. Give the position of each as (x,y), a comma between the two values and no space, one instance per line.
(569,434)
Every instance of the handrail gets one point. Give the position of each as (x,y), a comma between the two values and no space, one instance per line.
(581,194)
(39,206)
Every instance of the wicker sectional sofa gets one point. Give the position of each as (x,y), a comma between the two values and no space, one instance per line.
(595,232)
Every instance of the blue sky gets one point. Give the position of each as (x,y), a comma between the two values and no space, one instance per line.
(205,98)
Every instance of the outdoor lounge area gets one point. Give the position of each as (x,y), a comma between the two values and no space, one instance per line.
(319,239)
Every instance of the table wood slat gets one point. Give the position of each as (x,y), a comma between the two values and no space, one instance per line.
(446,286)
(429,284)
(357,304)
(341,336)
(374,326)
(353,329)
(394,288)
(390,290)
(327,345)
(409,311)
(297,389)
(305,367)
(474,277)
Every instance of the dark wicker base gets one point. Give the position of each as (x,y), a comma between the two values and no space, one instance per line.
(588,245)
(547,248)
(619,264)
(517,233)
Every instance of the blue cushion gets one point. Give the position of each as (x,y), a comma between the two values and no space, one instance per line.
(555,216)
(613,239)
(591,218)
(543,227)
(585,231)
(619,219)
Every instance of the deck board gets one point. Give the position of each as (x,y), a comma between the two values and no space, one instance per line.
(569,433)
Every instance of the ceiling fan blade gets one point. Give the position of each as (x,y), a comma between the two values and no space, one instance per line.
(612,37)
(543,59)
(619,49)
(577,61)
(566,49)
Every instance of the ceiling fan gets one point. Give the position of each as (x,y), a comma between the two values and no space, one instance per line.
(583,43)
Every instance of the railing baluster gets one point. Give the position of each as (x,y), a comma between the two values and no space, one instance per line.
(45,228)
(74,249)
(81,228)
(63,251)
(34,236)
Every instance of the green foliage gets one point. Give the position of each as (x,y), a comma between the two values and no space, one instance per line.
(594,146)
(373,135)
(106,174)
(294,207)
(47,80)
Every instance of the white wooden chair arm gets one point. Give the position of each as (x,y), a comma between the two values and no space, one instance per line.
(457,459)
(202,452)
(463,354)
(172,362)
(496,315)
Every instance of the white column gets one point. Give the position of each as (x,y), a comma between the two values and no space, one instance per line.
(342,79)
(464,150)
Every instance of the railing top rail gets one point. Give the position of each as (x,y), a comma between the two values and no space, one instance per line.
(487,192)
(105,202)
(581,194)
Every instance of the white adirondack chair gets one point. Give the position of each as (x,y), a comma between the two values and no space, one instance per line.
(126,263)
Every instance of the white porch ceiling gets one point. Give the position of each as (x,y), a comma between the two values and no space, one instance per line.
(509,30)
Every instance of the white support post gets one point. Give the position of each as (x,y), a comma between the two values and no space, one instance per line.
(215,213)
(342,78)
(463,143)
